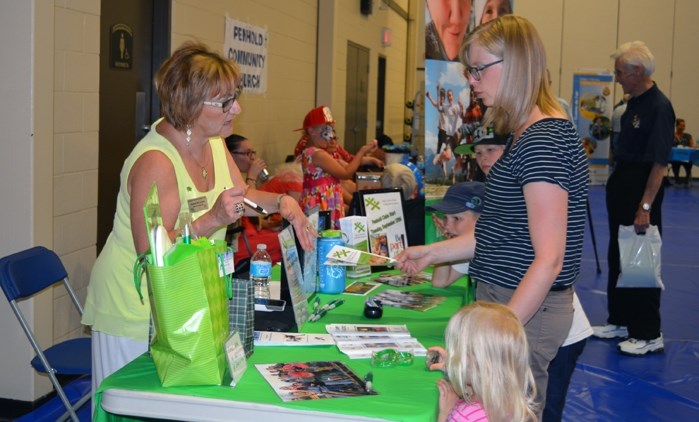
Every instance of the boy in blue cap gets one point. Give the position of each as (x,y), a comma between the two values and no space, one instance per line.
(461,206)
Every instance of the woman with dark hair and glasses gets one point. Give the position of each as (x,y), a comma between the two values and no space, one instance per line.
(246,159)
(527,245)
(185,156)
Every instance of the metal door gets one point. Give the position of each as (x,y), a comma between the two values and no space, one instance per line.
(357,96)
(133,42)
(380,97)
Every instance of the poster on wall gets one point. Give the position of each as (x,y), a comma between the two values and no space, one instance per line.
(592,112)
(247,45)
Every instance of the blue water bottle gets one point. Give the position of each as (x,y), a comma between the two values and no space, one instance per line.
(331,277)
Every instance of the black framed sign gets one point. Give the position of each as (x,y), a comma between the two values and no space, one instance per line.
(385,220)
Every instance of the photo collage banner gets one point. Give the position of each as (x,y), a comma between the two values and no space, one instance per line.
(452,112)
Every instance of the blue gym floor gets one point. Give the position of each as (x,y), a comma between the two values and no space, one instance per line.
(608,386)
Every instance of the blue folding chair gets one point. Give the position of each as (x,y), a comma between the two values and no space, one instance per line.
(24,274)
(54,409)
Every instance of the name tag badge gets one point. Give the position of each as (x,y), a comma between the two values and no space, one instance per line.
(226,264)
(197,204)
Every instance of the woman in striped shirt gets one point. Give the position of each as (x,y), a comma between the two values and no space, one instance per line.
(528,241)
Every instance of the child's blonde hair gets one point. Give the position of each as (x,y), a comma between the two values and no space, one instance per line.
(488,361)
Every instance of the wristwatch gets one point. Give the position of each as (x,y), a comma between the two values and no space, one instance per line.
(645,207)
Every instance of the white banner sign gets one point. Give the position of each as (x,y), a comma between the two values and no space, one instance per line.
(247,45)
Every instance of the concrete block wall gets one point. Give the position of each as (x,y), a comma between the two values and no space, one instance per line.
(75,141)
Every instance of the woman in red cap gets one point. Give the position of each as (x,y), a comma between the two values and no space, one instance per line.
(321,172)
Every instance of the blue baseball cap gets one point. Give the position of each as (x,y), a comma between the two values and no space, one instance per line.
(464,196)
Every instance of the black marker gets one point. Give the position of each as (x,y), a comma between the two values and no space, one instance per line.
(254,206)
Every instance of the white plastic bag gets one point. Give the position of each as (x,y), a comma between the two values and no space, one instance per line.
(640,258)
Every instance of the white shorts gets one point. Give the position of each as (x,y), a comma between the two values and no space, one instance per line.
(110,353)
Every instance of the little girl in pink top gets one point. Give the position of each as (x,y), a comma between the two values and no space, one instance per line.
(486,366)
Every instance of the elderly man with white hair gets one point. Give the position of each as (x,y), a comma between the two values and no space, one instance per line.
(635,195)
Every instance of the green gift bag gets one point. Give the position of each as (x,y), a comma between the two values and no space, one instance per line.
(189,307)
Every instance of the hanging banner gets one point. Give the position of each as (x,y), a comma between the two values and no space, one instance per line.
(592,112)
(247,45)
(452,111)
(448,104)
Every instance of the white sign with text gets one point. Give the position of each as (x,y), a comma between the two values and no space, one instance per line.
(247,46)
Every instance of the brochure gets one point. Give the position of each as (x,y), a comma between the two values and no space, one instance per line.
(354,234)
(366,349)
(274,338)
(342,255)
(361,341)
(360,338)
(361,288)
(290,256)
(409,300)
(368,330)
(310,261)
(313,380)
(235,355)
(399,280)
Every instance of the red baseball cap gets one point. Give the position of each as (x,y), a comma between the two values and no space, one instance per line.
(318,116)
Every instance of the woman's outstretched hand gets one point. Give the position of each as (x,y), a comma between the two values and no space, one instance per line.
(414,259)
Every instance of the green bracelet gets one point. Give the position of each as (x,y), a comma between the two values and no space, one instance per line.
(389,358)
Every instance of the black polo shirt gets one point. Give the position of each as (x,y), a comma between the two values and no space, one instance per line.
(647,129)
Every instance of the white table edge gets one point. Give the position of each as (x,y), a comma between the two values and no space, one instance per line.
(191,408)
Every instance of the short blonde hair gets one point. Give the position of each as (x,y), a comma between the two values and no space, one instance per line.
(190,76)
(524,82)
(396,175)
(488,361)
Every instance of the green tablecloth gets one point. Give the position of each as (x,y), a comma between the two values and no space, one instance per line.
(405,393)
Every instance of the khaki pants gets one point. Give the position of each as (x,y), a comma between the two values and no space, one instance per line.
(546,330)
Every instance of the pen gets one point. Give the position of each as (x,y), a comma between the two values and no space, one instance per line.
(254,206)
(186,234)
(333,304)
(319,313)
(368,382)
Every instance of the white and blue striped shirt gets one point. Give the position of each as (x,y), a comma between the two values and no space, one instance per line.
(548,151)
